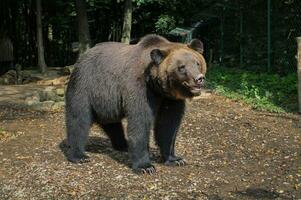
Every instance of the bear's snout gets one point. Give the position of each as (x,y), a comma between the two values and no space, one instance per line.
(200,80)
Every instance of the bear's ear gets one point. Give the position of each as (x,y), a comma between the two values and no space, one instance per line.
(157,56)
(196,45)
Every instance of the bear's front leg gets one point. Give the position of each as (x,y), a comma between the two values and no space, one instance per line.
(167,124)
(139,124)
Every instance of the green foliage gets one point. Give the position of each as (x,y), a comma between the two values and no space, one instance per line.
(141,2)
(164,24)
(262,91)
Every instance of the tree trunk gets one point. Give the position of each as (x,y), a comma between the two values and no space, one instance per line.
(83,27)
(127,22)
(299,71)
(41,59)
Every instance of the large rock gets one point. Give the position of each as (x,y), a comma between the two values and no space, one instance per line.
(49,94)
(43,106)
(9,78)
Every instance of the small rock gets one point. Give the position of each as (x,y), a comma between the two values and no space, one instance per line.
(280,191)
(60,92)
(67,70)
(31,100)
(49,88)
(48,103)
(58,105)
(36,97)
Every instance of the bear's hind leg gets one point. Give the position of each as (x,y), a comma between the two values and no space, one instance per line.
(77,134)
(167,124)
(116,135)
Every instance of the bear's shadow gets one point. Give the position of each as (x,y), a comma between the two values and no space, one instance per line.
(101,145)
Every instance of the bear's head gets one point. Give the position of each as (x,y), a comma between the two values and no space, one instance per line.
(179,69)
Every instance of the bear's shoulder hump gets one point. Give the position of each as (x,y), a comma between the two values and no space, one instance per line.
(152,40)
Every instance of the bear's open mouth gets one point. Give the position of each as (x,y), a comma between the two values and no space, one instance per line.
(195,89)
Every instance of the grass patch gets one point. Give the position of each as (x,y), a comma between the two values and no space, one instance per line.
(1,130)
(263,91)
(2,133)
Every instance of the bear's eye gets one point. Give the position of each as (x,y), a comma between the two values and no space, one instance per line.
(182,69)
(197,63)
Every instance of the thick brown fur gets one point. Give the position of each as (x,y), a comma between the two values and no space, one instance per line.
(147,83)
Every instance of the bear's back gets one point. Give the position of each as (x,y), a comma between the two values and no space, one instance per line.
(115,56)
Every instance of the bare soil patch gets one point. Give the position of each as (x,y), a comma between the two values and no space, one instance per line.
(232,152)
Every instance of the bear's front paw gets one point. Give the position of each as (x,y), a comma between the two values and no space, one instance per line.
(174,161)
(79,159)
(146,169)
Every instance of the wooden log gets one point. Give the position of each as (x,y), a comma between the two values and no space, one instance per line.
(299,71)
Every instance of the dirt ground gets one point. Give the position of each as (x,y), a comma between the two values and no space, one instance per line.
(232,152)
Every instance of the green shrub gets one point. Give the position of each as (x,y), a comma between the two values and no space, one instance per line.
(262,91)
(164,24)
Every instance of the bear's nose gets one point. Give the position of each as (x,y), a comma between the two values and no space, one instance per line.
(200,79)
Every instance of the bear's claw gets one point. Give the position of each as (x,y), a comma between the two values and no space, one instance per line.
(180,162)
(177,162)
(150,170)
(79,159)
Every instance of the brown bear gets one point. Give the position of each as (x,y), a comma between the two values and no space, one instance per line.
(147,83)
